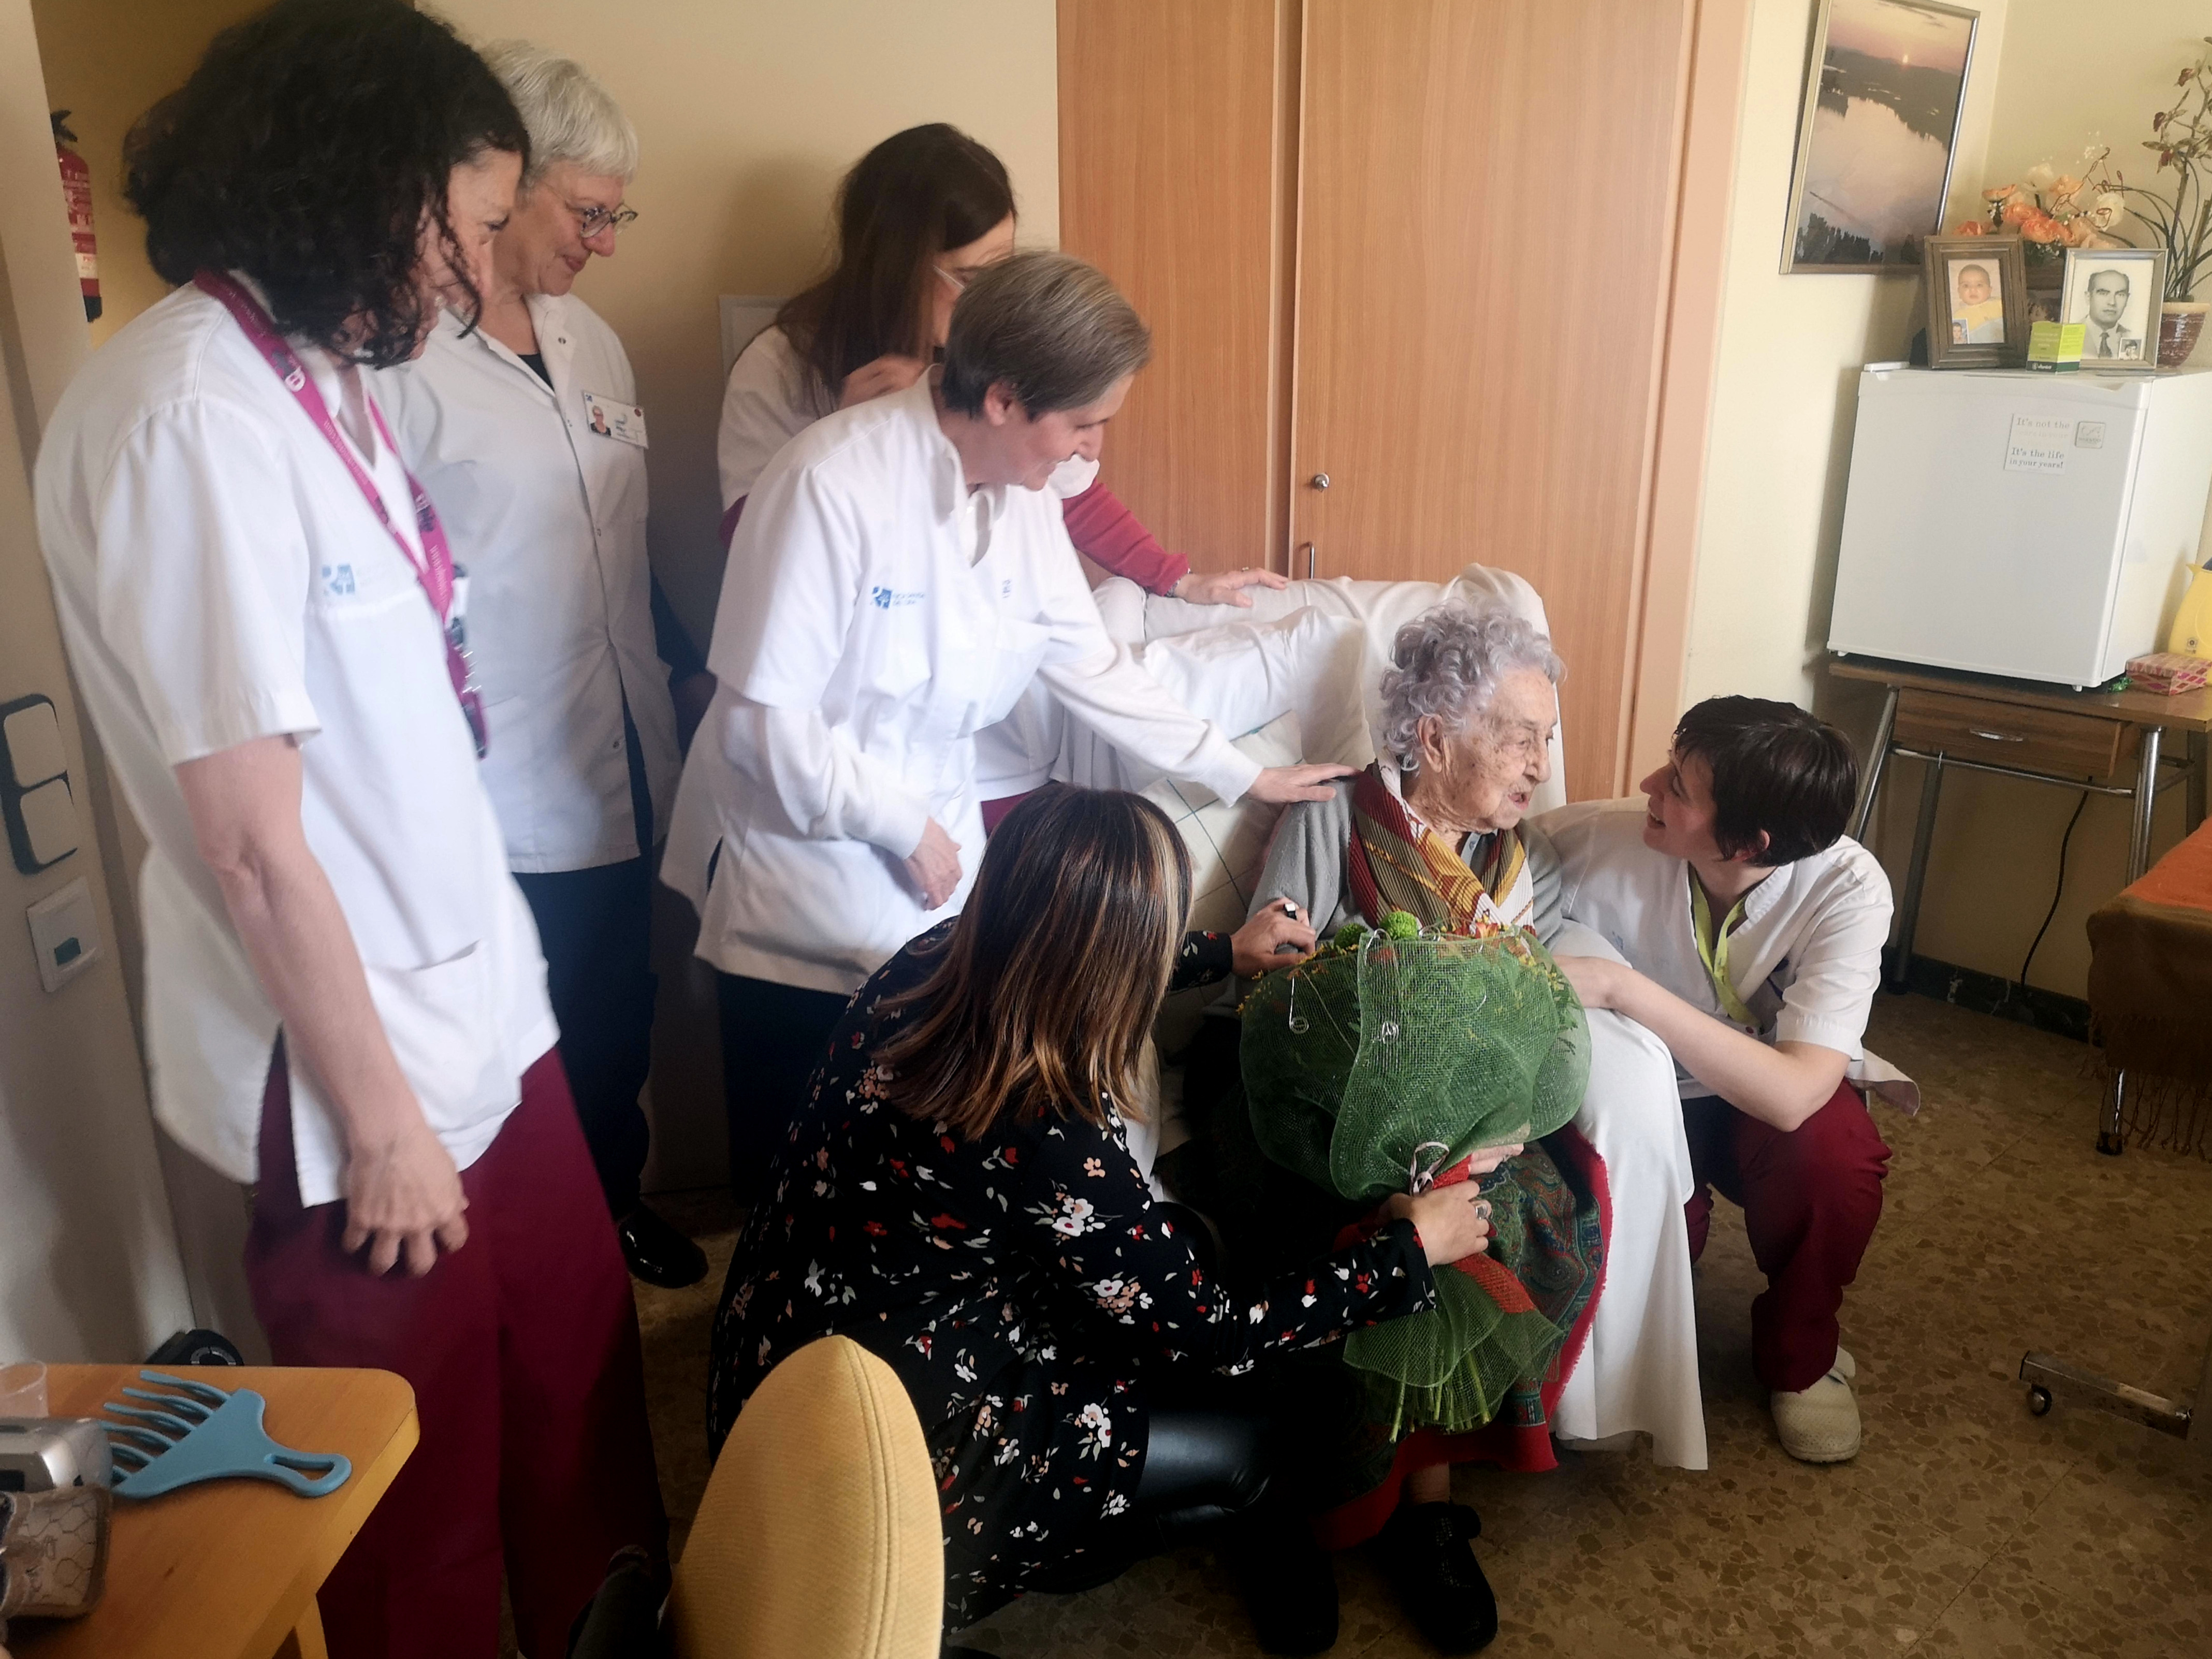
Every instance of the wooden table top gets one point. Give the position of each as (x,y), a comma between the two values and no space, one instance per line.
(226,1569)
(2190,712)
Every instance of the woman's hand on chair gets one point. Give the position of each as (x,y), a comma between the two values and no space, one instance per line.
(1451,1222)
(1257,946)
(1226,586)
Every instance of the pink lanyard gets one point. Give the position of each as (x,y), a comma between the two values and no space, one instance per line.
(435,570)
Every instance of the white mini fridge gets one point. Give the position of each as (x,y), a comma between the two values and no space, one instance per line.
(2024,525)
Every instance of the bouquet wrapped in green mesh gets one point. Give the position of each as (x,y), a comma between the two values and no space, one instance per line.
(1381,1064)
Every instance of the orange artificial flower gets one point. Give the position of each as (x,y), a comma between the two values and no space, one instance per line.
(1971,228)
(2017,213)
(2042,228)
(2001,193)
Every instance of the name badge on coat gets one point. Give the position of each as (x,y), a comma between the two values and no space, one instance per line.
(622,422)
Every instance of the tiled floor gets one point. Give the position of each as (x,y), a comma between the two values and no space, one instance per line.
(1966,1527)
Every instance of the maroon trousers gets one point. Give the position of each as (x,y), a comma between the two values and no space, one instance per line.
(1810,1197)
(522,1347)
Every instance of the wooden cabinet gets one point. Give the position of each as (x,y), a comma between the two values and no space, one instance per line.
(1431,251)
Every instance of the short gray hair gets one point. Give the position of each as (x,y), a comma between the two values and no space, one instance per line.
(1050,326)
(569,116)
(1449,661)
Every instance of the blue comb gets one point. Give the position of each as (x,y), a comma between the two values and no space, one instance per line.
(202,1433)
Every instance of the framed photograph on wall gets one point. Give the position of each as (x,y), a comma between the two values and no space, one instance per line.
(2114,293)
(1978,308)
(1881,123)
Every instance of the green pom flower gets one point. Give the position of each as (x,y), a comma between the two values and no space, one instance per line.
(1402,924)
(1349,935)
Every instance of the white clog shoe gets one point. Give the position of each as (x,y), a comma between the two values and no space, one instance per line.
(1820,1425)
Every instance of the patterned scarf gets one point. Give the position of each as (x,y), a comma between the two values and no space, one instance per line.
(1398,863)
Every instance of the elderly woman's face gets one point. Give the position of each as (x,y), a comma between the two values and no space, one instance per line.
(1482,777)
(543,245)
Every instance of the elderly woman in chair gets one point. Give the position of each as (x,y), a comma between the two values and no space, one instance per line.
(1434,827)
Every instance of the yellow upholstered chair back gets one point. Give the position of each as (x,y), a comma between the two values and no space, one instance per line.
(818,1535)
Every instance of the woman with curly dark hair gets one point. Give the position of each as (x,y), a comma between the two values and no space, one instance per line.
(345,1000)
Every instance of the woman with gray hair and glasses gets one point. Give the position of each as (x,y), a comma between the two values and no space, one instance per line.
(900,576)
(1434,827)
(526,431)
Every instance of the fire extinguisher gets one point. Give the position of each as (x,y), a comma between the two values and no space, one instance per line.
(76,185)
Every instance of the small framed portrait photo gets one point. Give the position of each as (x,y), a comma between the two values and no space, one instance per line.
(1978,314)
(2115,294)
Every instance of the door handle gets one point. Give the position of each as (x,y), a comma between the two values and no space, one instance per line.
(1311,549)
(1995,737)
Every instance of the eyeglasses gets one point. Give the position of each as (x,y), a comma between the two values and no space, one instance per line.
(593,220)
(957,280)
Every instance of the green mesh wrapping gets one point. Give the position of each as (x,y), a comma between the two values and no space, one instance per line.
(1385,1060)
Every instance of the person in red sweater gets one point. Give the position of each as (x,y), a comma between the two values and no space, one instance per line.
(917,217)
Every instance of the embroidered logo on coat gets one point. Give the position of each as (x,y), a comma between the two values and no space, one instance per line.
(884,597)
(338,580)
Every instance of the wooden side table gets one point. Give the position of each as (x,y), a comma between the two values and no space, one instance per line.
(229,1569)
(2043,734)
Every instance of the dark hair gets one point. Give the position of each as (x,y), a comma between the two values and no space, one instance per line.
(906,202)
(1054,972)
(1776,770)
(1054,329)
(307,150)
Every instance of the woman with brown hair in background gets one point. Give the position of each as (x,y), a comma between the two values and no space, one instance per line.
(918,217)
(958,1197)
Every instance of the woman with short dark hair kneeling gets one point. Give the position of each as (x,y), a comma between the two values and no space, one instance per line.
(958,1197)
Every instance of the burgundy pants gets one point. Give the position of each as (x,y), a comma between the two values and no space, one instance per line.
(1810,1197)
(522,1348)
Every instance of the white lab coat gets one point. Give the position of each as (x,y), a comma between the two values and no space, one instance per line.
(769,399)
(549,517)
(220,578)
(876,615)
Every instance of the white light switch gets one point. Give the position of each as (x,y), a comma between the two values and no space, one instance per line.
(50,821)
(33,740)
(66,934)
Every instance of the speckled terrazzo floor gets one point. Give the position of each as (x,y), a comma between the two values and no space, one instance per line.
(1966,1527)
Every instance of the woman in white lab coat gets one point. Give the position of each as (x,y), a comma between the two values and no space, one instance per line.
(918,216)
(527,432)
(345,1006)
(900,574)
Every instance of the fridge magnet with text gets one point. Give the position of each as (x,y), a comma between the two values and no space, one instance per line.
(1877,134)
(2114,293)
(1978,315)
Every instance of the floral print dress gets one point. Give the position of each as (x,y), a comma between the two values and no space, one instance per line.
(1024,1287)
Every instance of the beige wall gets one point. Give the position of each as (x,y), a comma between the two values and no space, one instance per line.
(749,110)
(2066,82)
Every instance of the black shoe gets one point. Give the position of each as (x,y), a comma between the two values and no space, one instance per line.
(1424,1551)
(657,1253)
(1287,1581)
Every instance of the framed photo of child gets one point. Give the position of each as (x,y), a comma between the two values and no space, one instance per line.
(1978,314)
(2114,293)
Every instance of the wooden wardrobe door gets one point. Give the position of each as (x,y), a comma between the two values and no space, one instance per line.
(1483,246)
(1174,175)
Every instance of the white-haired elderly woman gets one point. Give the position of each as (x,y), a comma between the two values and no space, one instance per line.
(525,432)
(1434,827)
